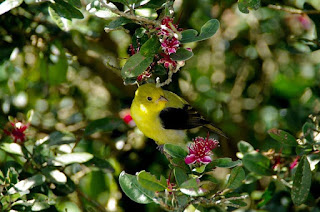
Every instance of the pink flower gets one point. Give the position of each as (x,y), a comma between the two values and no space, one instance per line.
(132,50)
(127,118)
(167,61)
(170,46)
(167,26)
(16,131)
(200,150)
(294,163)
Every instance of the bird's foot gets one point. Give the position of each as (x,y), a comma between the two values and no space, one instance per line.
(160,148)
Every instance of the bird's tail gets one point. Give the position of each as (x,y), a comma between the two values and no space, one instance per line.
(216,130)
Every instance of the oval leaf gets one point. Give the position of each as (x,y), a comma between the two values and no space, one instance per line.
(180,175)
(27,184)
(243,5)
(150,47)
(135,65)
(283,137)
(207,30)
(132,188)
(150,181)
(257,163)
(175,151)
(8,5)
(301,182)
(236,177)
(245,147)
(78,157)
(181,55)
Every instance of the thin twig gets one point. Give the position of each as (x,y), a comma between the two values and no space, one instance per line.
(135,18)
(292,10)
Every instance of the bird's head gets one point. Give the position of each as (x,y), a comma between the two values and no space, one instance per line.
(150,98)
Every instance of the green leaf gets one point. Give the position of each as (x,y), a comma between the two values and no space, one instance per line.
(268,194)
(12,148)
(243,5)
(179,162)
(66,10)
(8,5)
(39,206)
(65,188)
(223,163)
(304,149)
(180,175)
(175,151)
(207,30)
(308,129)
(102,164)
(200,169)
(150,181)
(209,177)
(150,47)
(301,182)
(61,22)
(160,70)
(283,137)
(257,163)
(107,124)
(191,188)
(245,147)
(117,23)
(30,115)
(132,188)
(24,185)
(59,138)
(77,157)
(135,65)
(190,184)
(181,55)
(236,177)
(76,3)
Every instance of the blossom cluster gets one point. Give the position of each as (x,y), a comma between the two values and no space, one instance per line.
(201,150)
(168,36)
(17,131)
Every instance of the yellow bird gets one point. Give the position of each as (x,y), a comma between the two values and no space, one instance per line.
(164,116)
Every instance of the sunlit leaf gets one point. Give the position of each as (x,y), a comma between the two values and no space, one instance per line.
(8,5)
(301,182)
(132,188)
(150,181)
(12,148)
(25,185)
(77,157)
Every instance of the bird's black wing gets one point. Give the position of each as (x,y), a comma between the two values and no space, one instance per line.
(181,118)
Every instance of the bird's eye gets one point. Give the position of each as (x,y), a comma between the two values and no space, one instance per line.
(149,98)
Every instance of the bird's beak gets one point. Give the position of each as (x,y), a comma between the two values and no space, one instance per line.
(162,99)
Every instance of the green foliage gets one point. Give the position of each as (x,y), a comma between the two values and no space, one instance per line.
(207,30)
(63,66)
(301,182)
